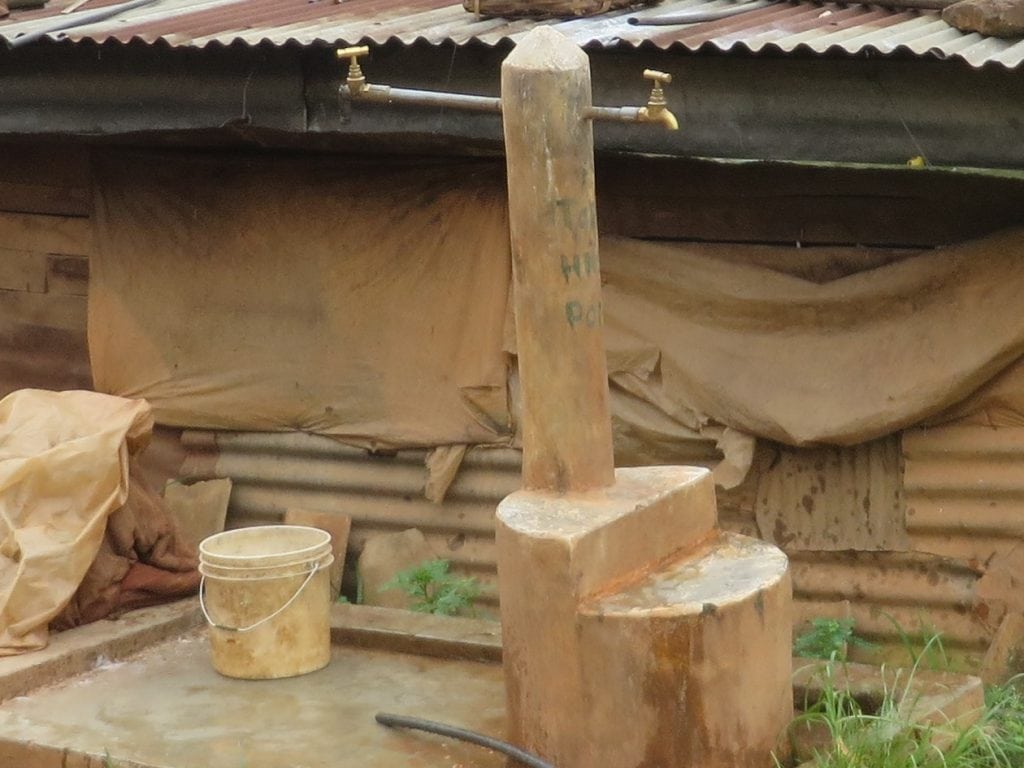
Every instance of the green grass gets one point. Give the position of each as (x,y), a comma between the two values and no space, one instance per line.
(925,647)
(434,589)
(884,735)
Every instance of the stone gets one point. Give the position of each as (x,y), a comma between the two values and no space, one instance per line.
(926,698)
(335,524)
(383,557)
(200,509)
(1005,656)
(995,18)
(1001,588)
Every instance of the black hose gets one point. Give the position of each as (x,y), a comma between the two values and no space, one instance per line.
(77,21)
(418,724)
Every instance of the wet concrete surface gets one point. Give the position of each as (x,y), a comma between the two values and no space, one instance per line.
(167,708)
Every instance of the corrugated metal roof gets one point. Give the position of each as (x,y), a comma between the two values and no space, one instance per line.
(785,27)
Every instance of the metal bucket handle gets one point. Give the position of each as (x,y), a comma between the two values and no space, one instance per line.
(316,565)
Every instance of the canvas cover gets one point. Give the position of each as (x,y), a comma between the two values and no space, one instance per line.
(361,301)
(841,362)
(368,302)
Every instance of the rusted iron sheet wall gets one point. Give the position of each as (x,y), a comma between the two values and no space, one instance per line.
(889,594)
(834,498)
(836,573)
(965,491)
(272,472)
(45,241)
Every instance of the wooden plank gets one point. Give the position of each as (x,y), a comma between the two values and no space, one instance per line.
(46,234)
(18,308)
(46,199)
(45,178)
(22,271)
(42,357)
(67,275)
(450,637)
(336,524)
(54,164)
(775,203)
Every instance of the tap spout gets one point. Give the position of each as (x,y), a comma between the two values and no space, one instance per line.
(658,114)
(656,111)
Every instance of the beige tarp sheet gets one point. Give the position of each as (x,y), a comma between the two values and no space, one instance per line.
(364,302)
(771,355)
(367,303)
(63,472)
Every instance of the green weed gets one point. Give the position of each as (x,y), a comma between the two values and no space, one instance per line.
(1005,705)
(828,639)
(434,589)
(885,735)
(925,647)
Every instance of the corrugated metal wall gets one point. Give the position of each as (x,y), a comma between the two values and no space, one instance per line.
(274,472)
(965,491)
(930,586)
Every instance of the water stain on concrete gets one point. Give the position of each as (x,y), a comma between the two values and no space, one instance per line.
(167,708)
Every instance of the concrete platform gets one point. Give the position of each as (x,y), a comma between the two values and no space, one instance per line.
(165,707)
(141,688)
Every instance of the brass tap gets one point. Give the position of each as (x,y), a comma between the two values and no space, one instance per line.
(657,110)
(356,81)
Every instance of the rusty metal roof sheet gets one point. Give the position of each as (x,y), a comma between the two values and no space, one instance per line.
(784,27)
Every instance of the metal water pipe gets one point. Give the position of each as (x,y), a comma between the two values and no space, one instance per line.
(655,111)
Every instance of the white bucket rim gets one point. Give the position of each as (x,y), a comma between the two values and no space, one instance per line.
(288,557)
(270,572)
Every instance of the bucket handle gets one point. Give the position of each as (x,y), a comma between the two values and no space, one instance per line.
(275,614)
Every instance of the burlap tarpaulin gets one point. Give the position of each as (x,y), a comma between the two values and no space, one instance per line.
(361,301)
(367,302)
(842,362)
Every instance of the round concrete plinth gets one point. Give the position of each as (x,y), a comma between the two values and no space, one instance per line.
(698,654)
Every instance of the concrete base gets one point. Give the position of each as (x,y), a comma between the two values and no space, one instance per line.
(167,708)
(638,636)
(164,707)
(698,653)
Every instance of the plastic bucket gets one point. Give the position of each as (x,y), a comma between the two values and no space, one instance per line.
(266,595)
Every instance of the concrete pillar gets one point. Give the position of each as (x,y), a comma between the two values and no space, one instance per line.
(545,90)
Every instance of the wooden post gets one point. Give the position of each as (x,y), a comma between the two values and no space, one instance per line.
(549,146)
